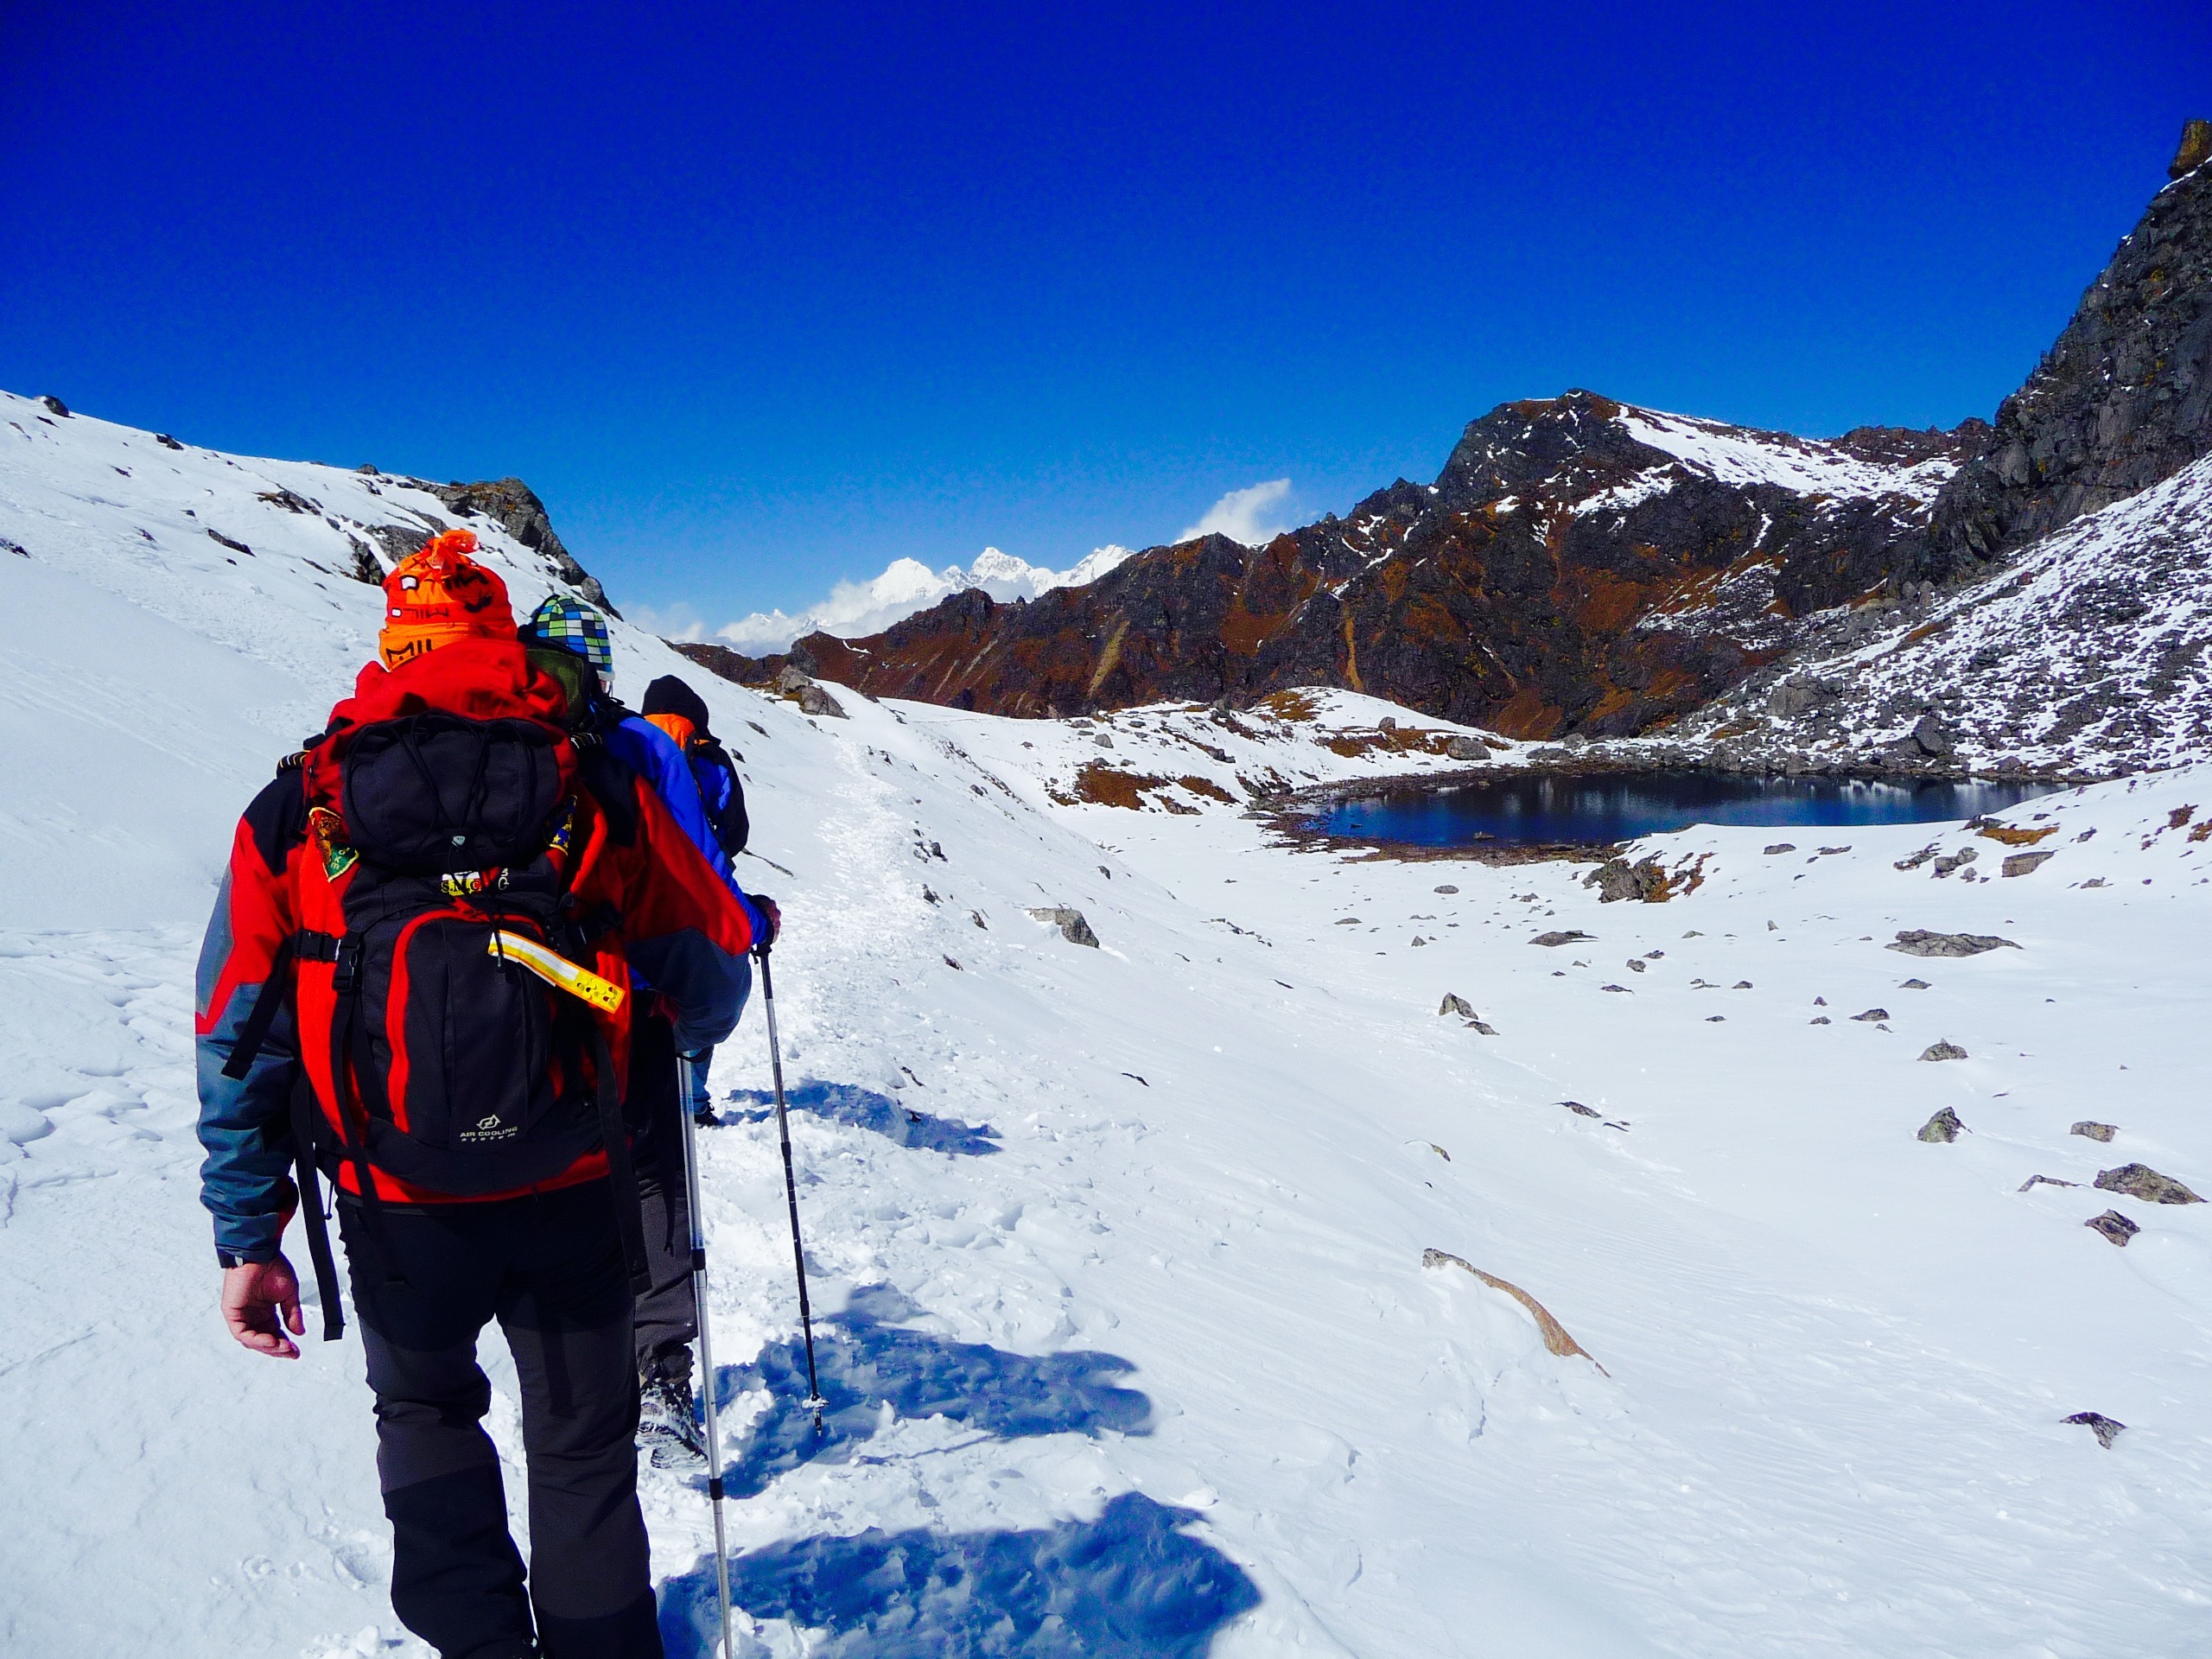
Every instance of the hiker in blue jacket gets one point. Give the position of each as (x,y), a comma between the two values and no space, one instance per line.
(570,640)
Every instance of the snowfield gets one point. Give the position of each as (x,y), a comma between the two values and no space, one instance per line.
(1119,1251)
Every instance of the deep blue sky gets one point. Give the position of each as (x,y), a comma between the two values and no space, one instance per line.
(759,297)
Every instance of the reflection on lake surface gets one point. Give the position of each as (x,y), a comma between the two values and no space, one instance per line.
(1621,805)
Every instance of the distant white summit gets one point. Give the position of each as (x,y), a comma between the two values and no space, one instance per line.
(855,609)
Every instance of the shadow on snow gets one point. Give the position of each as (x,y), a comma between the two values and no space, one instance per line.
(873,1371)
(1126,1585)
(864,1108)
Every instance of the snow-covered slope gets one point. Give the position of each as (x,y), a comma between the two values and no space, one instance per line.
(2083,652)
(1128,1329)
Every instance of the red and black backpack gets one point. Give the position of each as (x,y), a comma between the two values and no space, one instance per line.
(457,1008)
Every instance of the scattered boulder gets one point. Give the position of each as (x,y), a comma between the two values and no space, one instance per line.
(1942,1129)
(813,700)
(1914,985)
(2098,1424)
(1959,859)
(1073,928)
(1928,735)
(2115,1226)
(1617,879)
(1570,937)
(1635,964)
(2034,1181)
(1871,1015)
(1447,887)
(1946,1051)
(2141,1181)
(1466,748)
(1782,847)
(2094,1131)
(1918,941)
(2027,863)
(1103,740)
(54,406)
(1455,1003)
(793,678)
(166,441)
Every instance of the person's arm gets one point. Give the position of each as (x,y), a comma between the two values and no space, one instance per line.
(245,1123)
(689,931)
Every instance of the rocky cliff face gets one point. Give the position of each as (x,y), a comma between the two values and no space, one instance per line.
(2122,401)
(1584,565)
(1579,563)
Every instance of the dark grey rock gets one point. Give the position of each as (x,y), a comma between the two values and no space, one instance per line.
(1073,928)
(2115,1226)
(2141,1181)
(54,406)
(1914,985)
(792,678)
(2034,1181)
(514,507)
(2027,863)
(1570,937)
(1782,847)
(1945,1051)
(1943,1128)
(1871,1015)
(1455,1003)
(2093,1130)
(813,700)
(1617,879)
(1930,737)
(1447,887)
(1957,861)
(2105,1428)
(1918,941)
(1466,748)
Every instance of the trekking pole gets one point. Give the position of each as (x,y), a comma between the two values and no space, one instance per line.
(706,1343)
(814,1402)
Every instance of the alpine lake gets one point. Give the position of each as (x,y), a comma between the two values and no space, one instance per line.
(1590,809)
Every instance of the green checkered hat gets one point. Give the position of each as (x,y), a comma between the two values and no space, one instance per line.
(574,626)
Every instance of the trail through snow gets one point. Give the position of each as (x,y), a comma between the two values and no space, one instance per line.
(1118,1252)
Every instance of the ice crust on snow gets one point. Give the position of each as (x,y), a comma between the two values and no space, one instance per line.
(1117,1252)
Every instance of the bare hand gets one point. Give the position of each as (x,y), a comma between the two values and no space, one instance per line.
(255,1295)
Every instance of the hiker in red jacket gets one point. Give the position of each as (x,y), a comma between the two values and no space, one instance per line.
(417,983)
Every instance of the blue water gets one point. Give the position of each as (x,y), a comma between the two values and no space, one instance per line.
(1621,805)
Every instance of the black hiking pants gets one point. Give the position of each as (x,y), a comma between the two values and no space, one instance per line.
(548,1268)
(667,1314)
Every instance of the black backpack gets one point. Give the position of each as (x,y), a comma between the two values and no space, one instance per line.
(708,758)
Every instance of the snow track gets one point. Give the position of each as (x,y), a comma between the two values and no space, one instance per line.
(1118,1253)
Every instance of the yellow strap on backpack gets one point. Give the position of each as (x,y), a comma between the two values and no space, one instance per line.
(556,971)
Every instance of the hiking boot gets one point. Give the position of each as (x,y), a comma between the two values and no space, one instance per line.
(707,1118)
(667,1422)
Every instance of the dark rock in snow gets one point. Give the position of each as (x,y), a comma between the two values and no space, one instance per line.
(1455,1003)
(813,700)
(1617,879)
(2034,1181)
(1569,937)
(514,507)
(1946,1051)
(166,441)
(1579,1109)
(1943,1128)
(1466,748)
(2027,863)
(2115,1226)
(54,406)
(2094,1131)
(1782,847)
(1073,928)
(2141,1181)
(1871,1015)
(1918,941)
(2105,1428)
(1447,887)
(1914,985)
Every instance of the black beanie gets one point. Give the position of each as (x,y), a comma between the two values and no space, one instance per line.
(669,696)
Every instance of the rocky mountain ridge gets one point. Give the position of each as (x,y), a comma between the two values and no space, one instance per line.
(1585,566)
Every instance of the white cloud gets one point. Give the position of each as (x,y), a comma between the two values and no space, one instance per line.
(855,609)
(679,621)
(1248,516)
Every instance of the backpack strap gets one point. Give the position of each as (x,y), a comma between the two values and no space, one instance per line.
(306,1161)
(306,945)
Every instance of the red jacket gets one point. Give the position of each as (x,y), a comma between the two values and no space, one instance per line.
(665,912)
